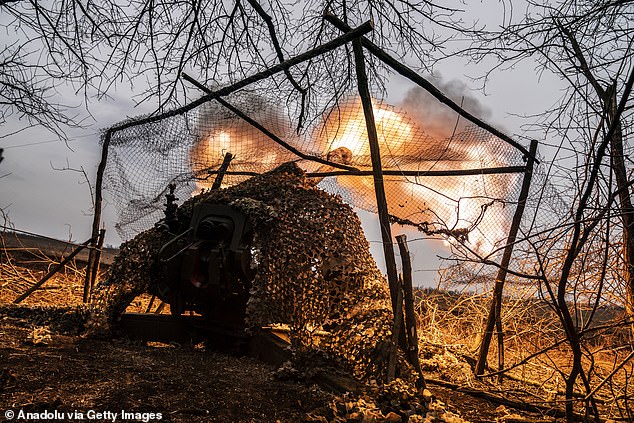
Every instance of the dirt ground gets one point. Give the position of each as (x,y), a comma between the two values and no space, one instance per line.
(48,366)
(44,371)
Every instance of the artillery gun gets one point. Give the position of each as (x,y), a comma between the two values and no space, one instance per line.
(208,267)
(273,249)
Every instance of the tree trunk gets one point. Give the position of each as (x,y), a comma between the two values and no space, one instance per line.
(627,209)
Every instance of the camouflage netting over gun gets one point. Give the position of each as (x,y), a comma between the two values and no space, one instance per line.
(314,270)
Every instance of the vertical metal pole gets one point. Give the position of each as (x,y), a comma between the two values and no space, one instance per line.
(377,169)
(495,312)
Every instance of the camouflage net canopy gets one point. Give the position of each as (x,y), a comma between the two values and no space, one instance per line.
(314,270)
(187,149)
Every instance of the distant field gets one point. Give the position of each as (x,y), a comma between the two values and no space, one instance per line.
(26,247)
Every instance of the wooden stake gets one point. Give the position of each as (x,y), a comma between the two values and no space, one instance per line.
(396,331)
(94,269)
(411,325)
(96,220)
(222,171)
(495,312)
(377,171)
(381,205)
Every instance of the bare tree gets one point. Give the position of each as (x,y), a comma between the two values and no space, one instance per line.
(95,47)
(588,45)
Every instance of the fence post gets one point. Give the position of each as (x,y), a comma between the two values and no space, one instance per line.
(410,315)
(494,319)
(94,268)
(96,220)
(379,189)
(377,170)
(396,331)
(221,171)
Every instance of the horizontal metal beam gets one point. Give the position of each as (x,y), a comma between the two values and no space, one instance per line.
(411,173)
(425,173)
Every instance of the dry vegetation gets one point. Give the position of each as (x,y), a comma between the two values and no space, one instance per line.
(41,337)
(536,355)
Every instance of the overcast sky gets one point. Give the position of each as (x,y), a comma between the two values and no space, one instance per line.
(38,196)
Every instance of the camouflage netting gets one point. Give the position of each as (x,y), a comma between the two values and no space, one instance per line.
(314,270)
(187,149)
(133,272)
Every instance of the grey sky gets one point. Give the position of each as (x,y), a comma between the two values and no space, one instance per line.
(57,203)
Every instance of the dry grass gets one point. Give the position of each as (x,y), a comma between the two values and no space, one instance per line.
(450,328)
(22,266)
(536,354)
(17,275)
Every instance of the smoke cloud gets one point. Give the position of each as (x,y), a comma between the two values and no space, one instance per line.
(437,119)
